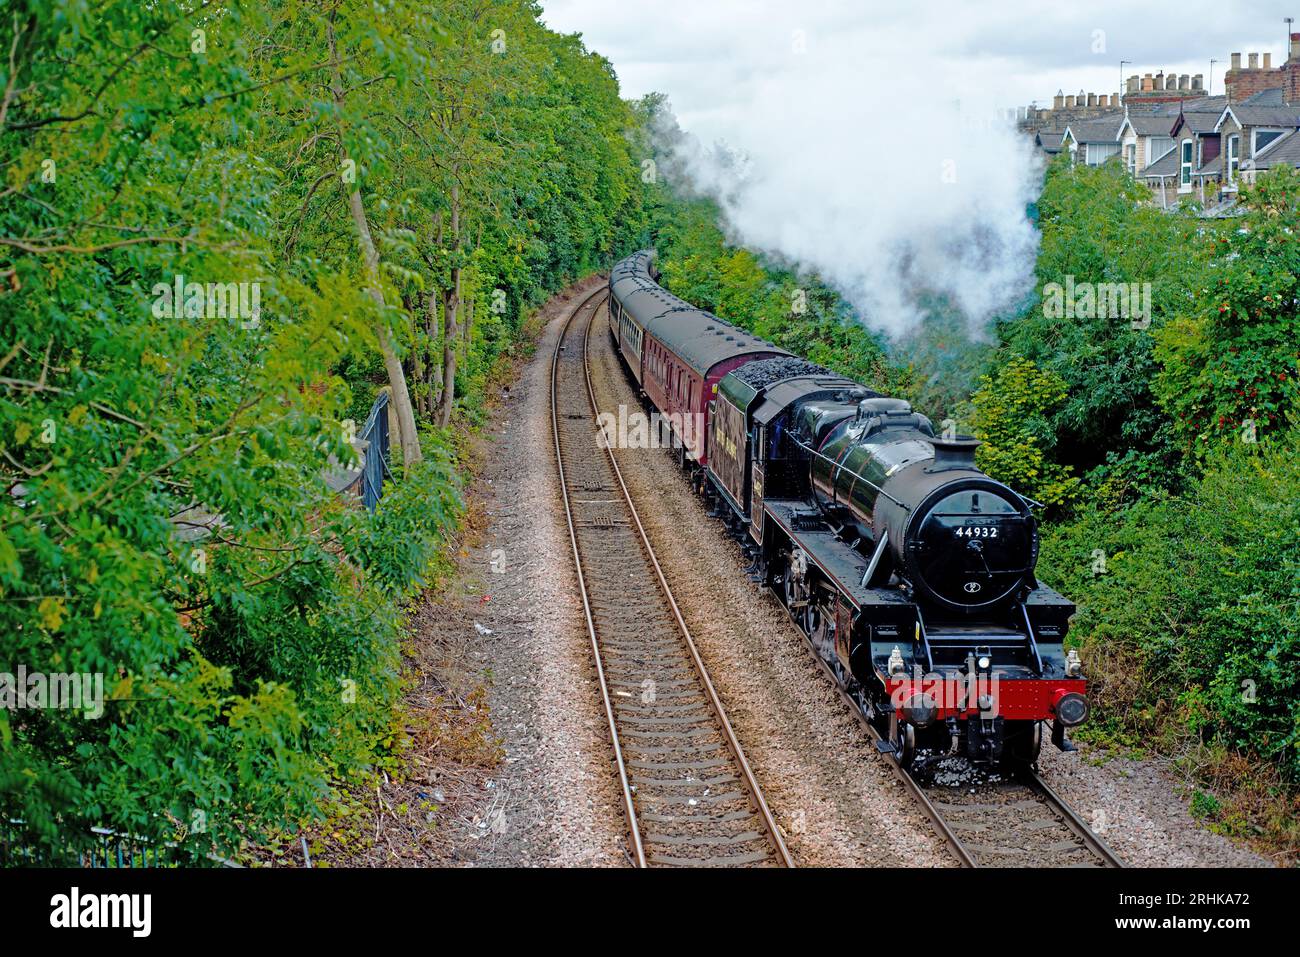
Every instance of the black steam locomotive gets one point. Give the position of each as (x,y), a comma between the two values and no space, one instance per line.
(910,570)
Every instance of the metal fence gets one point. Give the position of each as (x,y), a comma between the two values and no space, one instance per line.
(375,434)
(106,848)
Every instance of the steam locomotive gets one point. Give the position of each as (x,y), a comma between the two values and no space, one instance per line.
(910,570)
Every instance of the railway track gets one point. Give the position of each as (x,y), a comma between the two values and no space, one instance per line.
(690,797)
(1001,823)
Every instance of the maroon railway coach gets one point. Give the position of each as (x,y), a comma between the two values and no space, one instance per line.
(677,352)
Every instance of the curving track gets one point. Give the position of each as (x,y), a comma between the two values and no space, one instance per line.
(688,792)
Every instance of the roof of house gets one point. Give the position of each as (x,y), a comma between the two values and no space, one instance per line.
(1166,165)
(1199,123)
(1260,115)
(1104,129)
(1191,104)
(1050,140)
(1150,124)
(1283,151)
(1271,97)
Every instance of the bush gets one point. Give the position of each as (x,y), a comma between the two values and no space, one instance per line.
(1189,609)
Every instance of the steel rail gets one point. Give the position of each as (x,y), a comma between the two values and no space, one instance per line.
(1076,824)
(941,826)
(728,733)
(629,808)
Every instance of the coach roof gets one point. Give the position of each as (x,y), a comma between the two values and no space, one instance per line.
(697,337)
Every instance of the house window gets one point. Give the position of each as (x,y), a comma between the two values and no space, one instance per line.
(1185,177)
(1263,138)
(1098,153)
(1158,146)
(1234,157)
(1131,158)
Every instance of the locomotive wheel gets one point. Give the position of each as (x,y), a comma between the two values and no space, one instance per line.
(903,736)
(796,591)
(1021,745)
(821,627)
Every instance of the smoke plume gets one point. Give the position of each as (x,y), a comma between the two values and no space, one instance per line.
(898,197)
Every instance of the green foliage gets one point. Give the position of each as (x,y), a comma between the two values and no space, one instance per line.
(1098,226)
(1190,607)
(165,521)
(1012,415)
(1230,362)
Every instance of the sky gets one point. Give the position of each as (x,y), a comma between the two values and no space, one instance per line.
(870,153)
(705,53)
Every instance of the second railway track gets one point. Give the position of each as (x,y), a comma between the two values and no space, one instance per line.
(688,792)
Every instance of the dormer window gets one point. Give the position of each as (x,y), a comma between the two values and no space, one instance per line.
(1234,157)
(1185,167)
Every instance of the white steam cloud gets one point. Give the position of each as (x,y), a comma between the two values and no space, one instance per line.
(895,196)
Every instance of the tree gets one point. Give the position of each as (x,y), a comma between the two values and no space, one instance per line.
(1012,415)
(1230,363)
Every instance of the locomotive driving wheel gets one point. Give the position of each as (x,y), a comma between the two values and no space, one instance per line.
(1021,744)
(797,588)
(902,735)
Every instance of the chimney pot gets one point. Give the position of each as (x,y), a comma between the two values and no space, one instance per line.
(1058,101)
(1092,99)
(1268,61)
(1069,102)
(1198,81)
(1253,60)
(1171,81)
(1236,61)
(1184,82)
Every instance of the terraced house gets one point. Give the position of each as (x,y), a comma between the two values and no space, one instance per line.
(1169,133)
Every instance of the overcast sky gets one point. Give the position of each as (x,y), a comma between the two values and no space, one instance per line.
(705,53)
(871,156)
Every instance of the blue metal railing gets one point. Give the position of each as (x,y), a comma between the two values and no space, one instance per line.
(375,434)
(106,848)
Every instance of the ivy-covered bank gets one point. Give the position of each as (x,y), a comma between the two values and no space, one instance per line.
(349,195)
(1162,441)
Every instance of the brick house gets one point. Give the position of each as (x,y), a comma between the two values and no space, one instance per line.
(1283,151)
(1190,166)
(1144,138)
(1244,131)
(1093,141)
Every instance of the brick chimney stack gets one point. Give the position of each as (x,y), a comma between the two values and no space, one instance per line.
(1291,69)
(1242,82)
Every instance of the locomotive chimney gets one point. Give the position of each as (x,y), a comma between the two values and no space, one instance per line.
(954,453)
